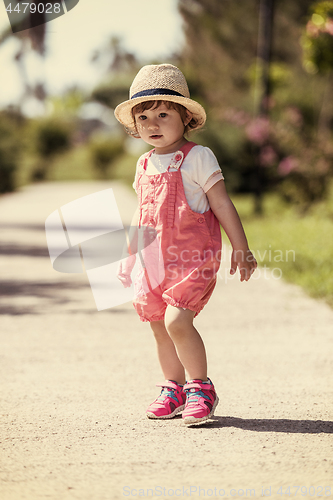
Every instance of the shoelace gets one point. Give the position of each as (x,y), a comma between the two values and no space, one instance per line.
(193,395)
(166,392)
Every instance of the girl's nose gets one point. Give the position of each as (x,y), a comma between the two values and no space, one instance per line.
(152,124)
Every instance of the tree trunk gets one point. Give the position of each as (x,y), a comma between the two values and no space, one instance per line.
(263,85)
(265,38)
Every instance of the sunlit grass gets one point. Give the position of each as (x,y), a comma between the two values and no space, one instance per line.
(301,246)
(74,165)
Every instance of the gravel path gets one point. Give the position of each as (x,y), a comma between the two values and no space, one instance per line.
(75,382)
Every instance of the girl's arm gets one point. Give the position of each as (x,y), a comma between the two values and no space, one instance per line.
(228,217)
(133,233)
(126,265)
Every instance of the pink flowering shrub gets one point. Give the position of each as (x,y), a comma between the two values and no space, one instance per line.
(257,131)
(282,155)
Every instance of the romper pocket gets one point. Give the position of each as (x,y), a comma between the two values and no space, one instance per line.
(203,226)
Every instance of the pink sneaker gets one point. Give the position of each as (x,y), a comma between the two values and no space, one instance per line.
(201,401)
(170,402)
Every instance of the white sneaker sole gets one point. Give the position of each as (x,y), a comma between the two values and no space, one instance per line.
(195,421)
(163,417)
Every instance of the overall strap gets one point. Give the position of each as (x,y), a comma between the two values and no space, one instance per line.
(144,158)
(187,148)
(147,156)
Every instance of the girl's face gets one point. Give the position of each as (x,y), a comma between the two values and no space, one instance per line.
(162,128)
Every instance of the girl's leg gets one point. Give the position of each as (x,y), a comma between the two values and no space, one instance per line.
(171,366)
(189,344)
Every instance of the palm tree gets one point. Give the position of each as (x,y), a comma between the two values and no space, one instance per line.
(30,30)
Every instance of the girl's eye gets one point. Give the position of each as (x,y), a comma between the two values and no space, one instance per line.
(142,117)
(163,115)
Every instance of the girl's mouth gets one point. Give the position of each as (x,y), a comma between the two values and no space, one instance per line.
(155,136)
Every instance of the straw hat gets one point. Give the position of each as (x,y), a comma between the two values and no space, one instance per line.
(161,82)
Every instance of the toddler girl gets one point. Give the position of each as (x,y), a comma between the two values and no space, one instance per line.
(182,200)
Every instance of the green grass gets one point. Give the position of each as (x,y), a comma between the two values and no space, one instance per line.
(301,247)
(74,165)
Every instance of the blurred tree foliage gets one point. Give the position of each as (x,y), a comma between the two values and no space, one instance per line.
(221,46)
(68,104)
(317,40)
(120,67)
(12,124)
(30,31)
(219,61)
(104,151)
(50,137)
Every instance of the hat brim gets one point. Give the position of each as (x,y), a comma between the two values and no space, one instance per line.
(123,111)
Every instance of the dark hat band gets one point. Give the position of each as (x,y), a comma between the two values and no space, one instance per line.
(150,92)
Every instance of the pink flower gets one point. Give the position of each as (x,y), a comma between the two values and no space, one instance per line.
(178,157)
(258,130)
(329,26)
(238,118)
(294,116)
(267,156)
(287,165)
(312,30)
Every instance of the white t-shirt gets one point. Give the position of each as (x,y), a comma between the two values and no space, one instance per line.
(198,167)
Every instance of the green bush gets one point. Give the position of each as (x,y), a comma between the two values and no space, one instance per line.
(104,151)
(50,138)
(10,148)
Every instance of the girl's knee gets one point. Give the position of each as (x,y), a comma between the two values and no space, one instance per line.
(159,330)
(178,320)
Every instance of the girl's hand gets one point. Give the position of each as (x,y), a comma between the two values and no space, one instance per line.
(245,262)
(125,268)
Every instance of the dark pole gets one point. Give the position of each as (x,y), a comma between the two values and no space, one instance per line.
(264,53)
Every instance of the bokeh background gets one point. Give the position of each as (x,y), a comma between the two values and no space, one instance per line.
(261,68)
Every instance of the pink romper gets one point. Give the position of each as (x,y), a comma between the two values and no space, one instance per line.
(190,242)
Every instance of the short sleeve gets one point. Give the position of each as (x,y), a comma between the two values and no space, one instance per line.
(205,165)
(213,179)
